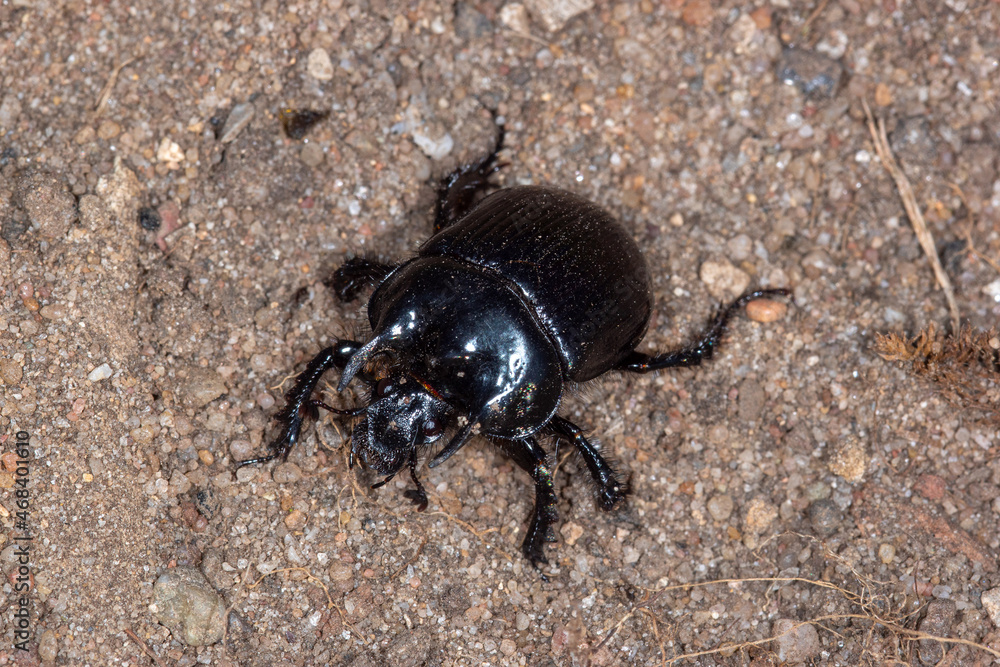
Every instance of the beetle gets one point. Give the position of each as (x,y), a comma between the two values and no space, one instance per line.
(517,297)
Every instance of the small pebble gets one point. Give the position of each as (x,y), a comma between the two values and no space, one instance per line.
(9,460)
(102,372)
(203,386)
(883,95)
(723,280)
(813,73)
(109,129)
(697,12)
(10,109)
(751,400)
(285,473)
(937,621)
(149,219)
(766,310)
(554,14)
(886,552)
(48,646)
(312,154)
(53,311)
(797,641)
(571,532)
(296,520)
(434,145)
(238,118)
(340,571)
(759,515)
(169,151)
(849,459)
(720,507)
(931,487)
(185,602)
(11,372)
(508,647)
(319,65)
(515,16)
(48,203)
(206,457)
(825,517)
(991,603)
(739,247)
(241,449)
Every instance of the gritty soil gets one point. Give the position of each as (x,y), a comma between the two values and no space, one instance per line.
(164,247)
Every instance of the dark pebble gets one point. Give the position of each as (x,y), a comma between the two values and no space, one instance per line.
(825,517)
(149,219)
(813,73)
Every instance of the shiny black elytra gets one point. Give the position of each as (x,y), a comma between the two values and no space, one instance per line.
(511,301)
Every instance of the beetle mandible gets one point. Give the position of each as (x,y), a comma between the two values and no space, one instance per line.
(516,297)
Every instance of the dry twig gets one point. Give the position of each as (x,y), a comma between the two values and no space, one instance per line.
(102,100)
(329,600)
(881,142)
(145,648)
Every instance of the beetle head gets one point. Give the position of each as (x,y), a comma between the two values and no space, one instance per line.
(402,416)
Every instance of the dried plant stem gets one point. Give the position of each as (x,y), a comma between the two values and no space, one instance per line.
(912,211)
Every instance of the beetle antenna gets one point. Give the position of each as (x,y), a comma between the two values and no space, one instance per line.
(352,412)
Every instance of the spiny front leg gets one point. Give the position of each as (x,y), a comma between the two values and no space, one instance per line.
(610,490)
(529,455)
(298,399)
(356,274)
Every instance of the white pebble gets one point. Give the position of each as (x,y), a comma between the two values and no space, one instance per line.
(319,65)
(102,372)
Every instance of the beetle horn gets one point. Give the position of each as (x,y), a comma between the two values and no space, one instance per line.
(456,444)
(358,360)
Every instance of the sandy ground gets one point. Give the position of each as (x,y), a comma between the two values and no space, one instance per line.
(161,275)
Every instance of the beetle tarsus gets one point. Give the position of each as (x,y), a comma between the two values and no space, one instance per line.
(458,190)
(610,489)
(694,355)
(417,495)
(280,447)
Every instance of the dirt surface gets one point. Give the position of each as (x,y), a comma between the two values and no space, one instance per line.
(161,277)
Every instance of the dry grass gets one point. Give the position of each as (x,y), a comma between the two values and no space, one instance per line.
(964,369)
(879,618)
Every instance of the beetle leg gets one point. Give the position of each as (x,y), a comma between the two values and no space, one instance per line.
(457,442)
(530,456)
(693,355)
(610,490)
(417,495)
(297,400)
(355,274)
(457,191)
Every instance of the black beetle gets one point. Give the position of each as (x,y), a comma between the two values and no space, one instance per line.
(513,300)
